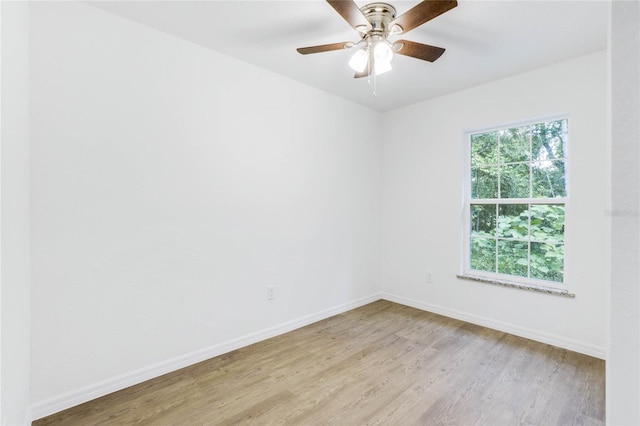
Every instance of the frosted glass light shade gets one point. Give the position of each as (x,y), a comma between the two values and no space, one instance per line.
(359,60)
(382,51)
(382,66)
(383,55)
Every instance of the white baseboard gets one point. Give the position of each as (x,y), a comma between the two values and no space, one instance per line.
(96,390)
(550,339)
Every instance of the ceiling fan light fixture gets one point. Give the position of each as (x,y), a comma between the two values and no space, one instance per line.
(382,56)
(359,59)
(382,51)
(376,22)
(381,67)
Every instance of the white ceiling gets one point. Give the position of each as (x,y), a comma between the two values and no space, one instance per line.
(485,41)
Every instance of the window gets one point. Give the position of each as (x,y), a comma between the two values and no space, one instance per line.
(515,203)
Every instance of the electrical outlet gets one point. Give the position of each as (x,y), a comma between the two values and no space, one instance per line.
(429,277)
(271,292)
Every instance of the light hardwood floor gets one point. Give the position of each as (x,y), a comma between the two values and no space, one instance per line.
(383,363)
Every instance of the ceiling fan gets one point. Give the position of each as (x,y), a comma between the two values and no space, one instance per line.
(376,22)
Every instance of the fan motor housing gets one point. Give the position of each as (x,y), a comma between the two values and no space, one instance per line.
(379,16)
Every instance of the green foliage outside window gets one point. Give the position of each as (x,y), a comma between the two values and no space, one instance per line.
(517,210)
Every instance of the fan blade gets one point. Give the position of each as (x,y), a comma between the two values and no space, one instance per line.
(418,50)
(351,13)
(421,13)
(324,48)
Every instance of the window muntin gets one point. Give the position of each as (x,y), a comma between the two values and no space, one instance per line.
(516,202)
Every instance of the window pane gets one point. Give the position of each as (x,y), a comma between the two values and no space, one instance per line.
(513,257)
(548,179)
(512,170)
(547,261)
(483,254)
(484,149)
(514,181)
(514,145)
(513,221)
(547,223)
(484,182)
(483,220)
(548,140)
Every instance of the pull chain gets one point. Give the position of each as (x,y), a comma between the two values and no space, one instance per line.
(375,80)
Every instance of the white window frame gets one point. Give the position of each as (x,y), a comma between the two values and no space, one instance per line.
(494,277)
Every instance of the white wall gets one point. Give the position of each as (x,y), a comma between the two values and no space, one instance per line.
(623,357)
(422,204)
(14,222)
(170,186)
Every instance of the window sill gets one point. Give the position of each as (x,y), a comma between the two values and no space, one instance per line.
(510,284)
